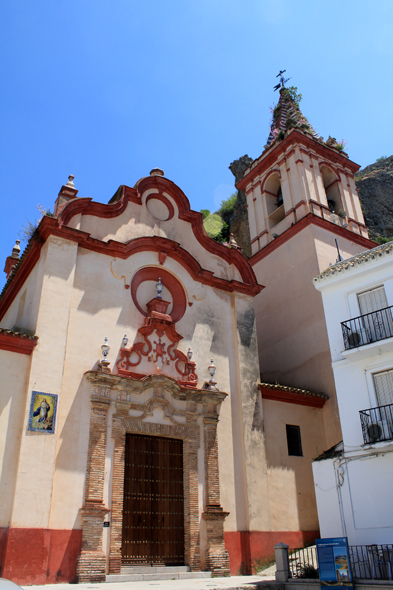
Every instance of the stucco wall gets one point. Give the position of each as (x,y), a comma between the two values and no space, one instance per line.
(82,301)
(14,371)
(291,489)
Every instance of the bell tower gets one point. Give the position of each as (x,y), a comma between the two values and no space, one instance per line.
(304,212)
(299,174)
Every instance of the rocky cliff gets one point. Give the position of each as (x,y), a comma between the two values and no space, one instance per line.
(238,223)
(375,188)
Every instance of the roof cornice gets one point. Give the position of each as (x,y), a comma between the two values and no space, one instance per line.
(279,149)
(355,261)
(17,342)
(309,219)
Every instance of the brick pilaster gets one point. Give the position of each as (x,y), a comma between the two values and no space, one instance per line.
(216,557)
(119,437)
(92,561)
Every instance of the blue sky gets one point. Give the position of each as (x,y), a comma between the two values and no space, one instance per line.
(109,89)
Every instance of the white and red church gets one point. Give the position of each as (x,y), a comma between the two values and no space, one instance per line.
(153,389)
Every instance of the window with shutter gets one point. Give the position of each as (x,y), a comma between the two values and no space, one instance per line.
(372,300)
(383,383)
(377,318)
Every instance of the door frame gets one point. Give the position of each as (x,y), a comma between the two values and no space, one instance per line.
(121,405)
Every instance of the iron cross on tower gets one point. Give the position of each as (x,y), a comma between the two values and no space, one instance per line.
(282,80)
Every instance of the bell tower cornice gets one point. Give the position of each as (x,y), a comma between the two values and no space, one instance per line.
(279,152)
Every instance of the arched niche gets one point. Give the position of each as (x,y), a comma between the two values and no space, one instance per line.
(274,201)
(332,189)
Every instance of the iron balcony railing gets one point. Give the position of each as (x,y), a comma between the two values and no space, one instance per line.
(377,424)
(367,328)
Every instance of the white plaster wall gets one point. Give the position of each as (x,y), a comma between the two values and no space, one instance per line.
(354,496)
(291,486)
(327,495)
(37,455)
(14,371)
(364,475)
(353,369)
(32,287)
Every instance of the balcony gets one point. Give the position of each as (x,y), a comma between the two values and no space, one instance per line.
(371,327)
(377,424)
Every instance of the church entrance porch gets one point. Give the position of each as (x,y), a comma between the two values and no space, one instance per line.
(150,431)
(153,509)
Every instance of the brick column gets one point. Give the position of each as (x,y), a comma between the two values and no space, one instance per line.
(191,511)
(119,437)
(216,559)
(92,561)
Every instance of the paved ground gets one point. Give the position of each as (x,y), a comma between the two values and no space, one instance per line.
(232,583)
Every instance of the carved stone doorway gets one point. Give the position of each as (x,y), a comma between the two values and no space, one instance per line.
(153,508)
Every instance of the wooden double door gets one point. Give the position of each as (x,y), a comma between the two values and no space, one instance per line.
(153,509)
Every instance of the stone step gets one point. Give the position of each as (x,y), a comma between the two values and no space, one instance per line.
(153,569)
(158,576)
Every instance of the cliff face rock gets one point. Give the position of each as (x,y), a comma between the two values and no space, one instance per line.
(238,222)
(375,188)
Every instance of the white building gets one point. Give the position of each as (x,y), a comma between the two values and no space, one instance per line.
(354,479)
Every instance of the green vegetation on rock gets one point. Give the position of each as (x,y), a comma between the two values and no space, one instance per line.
(217,225)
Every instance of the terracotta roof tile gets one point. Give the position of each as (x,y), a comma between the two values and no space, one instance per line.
(296,390)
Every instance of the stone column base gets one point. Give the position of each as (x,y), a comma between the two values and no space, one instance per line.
(217,558)
(91,566)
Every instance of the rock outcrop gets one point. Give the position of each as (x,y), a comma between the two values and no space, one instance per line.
(238,224)
(375,188)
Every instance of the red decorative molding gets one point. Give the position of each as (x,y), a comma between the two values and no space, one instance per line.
(16,342)
(163,199)
(125,194)
(311,219)
(162,257)
(269,193)
(299,160)
(299,204)
(10,263)
(290,397)
(274,171)
(162,351)
(294,138)
(359,223)
(332,183)
(51,226)
(169,281)
(289,211)
(328,165)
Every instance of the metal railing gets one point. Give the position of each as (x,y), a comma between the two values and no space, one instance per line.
(368,562)
(371,562)
(303,563)
(367,328)
(377,424)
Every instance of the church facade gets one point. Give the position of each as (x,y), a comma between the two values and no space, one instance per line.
(154,389)
(141,273)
